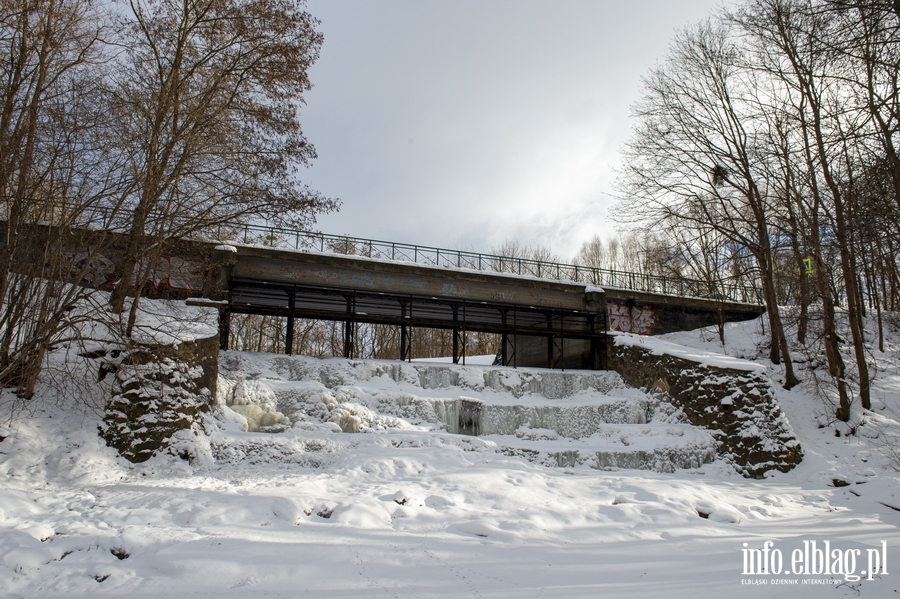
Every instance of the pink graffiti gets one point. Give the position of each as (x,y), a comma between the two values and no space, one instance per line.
(98,271)
(630,320)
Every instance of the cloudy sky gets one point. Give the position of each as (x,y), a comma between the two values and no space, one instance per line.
(463,123)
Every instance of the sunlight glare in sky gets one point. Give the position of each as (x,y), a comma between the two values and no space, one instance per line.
(462,124)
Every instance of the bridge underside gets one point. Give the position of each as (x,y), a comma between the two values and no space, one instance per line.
(558,327)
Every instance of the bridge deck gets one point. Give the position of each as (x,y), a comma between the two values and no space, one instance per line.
(292,284)
(442,257)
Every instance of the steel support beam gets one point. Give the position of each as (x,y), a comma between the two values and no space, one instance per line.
(504,340)
(455,334)
(224,327)
(289,334)
(349,325)
(405,349)
(550,341)
(556,325)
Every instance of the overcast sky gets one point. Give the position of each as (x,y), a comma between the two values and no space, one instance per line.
(462,123)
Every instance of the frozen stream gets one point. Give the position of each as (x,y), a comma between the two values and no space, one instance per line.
(550,417)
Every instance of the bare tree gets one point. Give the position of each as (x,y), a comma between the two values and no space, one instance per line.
(791,35)
(54,170)
(693,159)
(207,94)
(512,256)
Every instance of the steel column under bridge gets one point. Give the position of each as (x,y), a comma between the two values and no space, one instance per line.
(352,306)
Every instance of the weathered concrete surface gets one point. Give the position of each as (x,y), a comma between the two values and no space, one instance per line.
(541,352)
(631,312)
(365,274)
(89,258)
(656,314)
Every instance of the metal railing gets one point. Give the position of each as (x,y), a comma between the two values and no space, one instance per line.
(104,218)
(433,256)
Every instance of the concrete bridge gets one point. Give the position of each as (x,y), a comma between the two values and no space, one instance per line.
(542,322)
(546,323)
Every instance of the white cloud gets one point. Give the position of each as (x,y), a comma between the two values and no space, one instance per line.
(465,123)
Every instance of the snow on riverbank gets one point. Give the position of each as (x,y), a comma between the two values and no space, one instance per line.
(406,509)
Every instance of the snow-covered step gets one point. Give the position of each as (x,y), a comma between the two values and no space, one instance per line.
(337,372)
(301,449)
(567,418)
(649,447)
(550,417)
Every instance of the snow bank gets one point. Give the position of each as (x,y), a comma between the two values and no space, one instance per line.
(415,511)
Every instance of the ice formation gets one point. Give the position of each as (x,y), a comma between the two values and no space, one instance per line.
(549,417)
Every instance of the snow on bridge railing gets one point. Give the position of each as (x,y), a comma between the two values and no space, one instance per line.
(433,256)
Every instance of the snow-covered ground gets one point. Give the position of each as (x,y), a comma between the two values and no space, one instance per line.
(404,508)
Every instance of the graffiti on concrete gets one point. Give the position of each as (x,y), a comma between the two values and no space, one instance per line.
(630,319)
(170,273)
(91,267)
(178,274)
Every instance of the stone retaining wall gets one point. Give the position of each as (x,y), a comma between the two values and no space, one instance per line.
(738,406)
(159,391)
